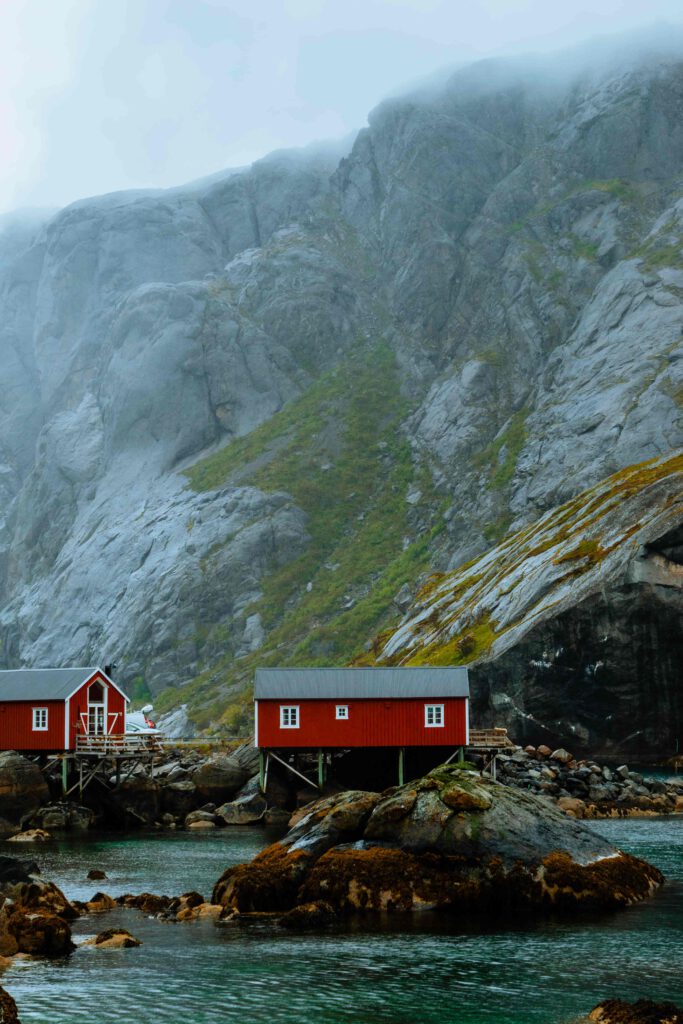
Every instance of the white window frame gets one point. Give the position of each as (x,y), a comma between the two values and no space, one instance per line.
(435,712)
(40,719)
(289,716)
(341,712)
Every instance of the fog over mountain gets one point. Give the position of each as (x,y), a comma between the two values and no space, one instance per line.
(240,420)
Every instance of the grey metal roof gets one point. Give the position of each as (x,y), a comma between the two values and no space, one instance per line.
(312,683)
(42,683)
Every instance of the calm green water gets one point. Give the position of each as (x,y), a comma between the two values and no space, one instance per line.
(418,973)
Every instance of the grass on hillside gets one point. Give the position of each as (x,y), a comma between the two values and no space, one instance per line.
(340,452)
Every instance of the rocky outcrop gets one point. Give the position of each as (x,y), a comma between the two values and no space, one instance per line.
(8,1009)
(22,786)
(570,624)
(34,914)
(63,817)
(450,841)
(241,416)
(616,1011)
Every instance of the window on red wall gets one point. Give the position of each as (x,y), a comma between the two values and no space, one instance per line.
(342,712)
(289,716)
(40,719)
(433,716)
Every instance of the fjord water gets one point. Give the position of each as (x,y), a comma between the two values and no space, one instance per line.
(412,971)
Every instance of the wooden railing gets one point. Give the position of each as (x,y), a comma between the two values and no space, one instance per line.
(489,738)
(117,744)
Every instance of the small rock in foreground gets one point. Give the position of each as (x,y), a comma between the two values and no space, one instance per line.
(615,1011)
(8,1009)
(32,835)
(113,938)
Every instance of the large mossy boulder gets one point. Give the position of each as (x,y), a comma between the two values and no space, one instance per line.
(449,841)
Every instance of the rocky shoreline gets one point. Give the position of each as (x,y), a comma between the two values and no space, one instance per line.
(202,791)
(585,789)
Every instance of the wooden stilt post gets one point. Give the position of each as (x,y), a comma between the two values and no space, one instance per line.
(401,765)
(493,768)
(461,754)
(65,773)
(265,774)
(321,770)
(261,771)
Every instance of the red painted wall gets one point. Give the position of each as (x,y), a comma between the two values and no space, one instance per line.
(78,710)
(16,725)
(371,723)
(16,719)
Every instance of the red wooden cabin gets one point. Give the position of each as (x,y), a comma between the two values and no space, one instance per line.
(48,708)
(340,708)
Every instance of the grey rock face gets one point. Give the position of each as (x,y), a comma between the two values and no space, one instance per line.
(514,237)
(571,624)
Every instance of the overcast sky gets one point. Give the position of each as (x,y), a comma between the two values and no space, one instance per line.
(97,95)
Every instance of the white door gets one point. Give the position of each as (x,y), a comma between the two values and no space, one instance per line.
(95,719)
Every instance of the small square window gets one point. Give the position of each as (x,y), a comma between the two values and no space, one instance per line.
(289,716)
(433,716)
(342,711)
(40,719)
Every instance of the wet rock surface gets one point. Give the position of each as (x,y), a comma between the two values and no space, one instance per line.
(113,938)
(8,1008)
(450,840)
(616,1011)
(35,914)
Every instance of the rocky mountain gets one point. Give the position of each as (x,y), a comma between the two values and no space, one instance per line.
(572,624)
(241,418)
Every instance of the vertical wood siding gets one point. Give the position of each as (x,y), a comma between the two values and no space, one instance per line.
(371,723)
(16,725)
(78,709)
(16,719)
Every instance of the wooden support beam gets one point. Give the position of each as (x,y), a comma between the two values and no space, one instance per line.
(292,769)
(321,770)
(401,765)
(265,774)
(261,772)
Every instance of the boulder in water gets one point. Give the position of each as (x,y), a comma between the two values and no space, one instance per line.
(451,841)
(31,835)
(114,938)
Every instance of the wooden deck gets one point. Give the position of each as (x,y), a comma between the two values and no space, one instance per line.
(124,746)
(489,739)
